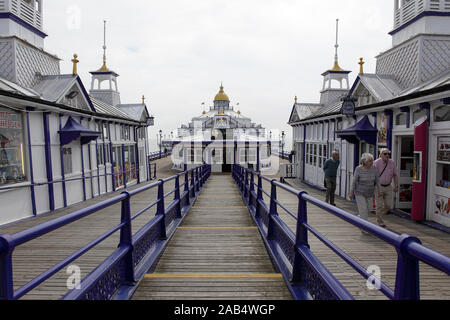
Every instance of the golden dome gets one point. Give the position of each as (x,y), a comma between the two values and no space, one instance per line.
(221,96)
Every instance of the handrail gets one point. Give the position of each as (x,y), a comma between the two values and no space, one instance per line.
(135,253)
(299,270)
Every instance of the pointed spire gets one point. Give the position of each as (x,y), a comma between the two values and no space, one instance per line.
(75,62)
(336,57)
(104,68)
(361,64)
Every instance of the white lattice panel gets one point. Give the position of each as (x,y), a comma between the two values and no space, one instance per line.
(30,61)
(7,60)
(401,62)
(435,58)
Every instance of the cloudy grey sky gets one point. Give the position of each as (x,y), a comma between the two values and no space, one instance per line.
(178,52)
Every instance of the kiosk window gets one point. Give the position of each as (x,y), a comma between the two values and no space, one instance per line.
(12,147)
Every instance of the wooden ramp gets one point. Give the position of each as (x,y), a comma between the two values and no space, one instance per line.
(217,253)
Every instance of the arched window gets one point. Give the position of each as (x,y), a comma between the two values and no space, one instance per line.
(400,120)
(442,113)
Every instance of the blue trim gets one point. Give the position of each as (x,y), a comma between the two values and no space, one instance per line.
(446,100)
(82,167)
(124,172)
(112,159)
(390,114)
(98,166)
(61,154)
(86,95)
(23,23)
(48,162)
(30,157)
(421,15)
(104,157)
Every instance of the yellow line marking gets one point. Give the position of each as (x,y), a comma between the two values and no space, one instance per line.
(216,228)
(224,207)
(213,276)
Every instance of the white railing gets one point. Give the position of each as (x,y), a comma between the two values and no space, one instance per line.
(23,10)
(410,9)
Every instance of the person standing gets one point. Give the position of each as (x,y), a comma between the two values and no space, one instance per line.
(365,183)
(387,171)
(330,168)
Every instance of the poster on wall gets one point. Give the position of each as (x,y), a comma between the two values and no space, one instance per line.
(442,206)
(382,128)
(443,149)
(405,193)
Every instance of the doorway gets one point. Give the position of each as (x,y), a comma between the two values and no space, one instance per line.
(405,163)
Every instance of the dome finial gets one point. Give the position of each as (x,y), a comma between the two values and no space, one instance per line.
(361,64)
(75,62)
(221,96)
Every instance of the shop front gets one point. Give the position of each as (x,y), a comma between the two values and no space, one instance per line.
(439,181)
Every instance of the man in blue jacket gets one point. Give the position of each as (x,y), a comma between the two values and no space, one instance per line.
(330,168)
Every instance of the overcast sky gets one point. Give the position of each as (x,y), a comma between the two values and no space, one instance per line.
(178,52)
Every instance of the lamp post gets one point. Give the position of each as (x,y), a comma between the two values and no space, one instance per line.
(282,143)
(160,143)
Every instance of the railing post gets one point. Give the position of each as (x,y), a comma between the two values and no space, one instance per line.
(6,270)
(197,180)
(177,196)
(259,197)
(301,237)
(186,187)
(154,171)
(246,185)
(161,210)
(192,183)
(407,284)
(273,210)
(252,188)
(126,240)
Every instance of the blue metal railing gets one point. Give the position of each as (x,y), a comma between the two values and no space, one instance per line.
(117,275)
(305,275)
(158,155)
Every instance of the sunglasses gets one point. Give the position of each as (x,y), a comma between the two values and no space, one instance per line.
(386,154)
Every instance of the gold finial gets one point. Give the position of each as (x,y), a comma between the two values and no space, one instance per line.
(239,112)
(361,63)
(295,99)
(75,61)
(204,112)
(143,100)
(336,66)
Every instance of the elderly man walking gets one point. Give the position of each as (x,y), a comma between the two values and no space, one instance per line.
(387,171)
(330,168)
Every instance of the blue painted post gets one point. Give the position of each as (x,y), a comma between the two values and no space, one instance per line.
(48,161)
(186,187)
(6,269)
(259,197)
(124,170)
(252,189)
(273,210)
(197,182)
(192,188)
(177,196)
(301,238)
(62,166)
(407,284)
(161,210)
(126,240)
(30,156)
(82,172)
(246,189)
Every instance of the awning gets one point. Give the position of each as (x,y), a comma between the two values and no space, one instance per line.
(73,130)
(363,130)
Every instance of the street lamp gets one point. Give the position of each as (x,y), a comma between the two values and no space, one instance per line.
(282,143)
(160,143)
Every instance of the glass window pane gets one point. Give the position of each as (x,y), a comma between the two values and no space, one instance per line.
(442,114)
(12,148)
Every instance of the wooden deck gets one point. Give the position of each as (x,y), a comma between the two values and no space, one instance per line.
(217,253)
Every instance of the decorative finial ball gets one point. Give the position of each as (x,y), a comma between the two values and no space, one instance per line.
(75,56)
